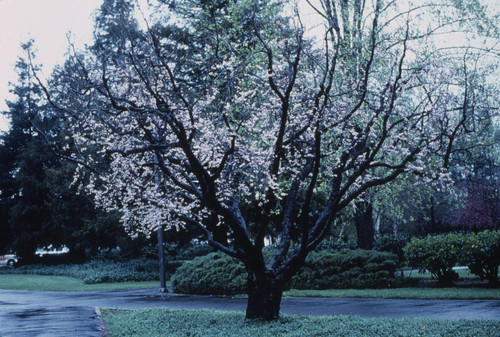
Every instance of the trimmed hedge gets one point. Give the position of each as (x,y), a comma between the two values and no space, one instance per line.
(213,274)
(440,253)
(347,269)
(219,274)
(391,243)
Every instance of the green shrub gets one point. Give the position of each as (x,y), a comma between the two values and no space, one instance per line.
(218,274)
(192,251)
(436,253)
(440,253)
(481,253)
(213,274)
(391,243)
(335,245)
(347,269)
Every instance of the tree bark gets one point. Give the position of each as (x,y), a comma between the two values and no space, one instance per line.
(264,295)
(364,225)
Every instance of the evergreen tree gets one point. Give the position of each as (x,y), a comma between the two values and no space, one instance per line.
(40,206)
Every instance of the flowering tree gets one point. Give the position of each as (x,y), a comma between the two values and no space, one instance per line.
(222,114)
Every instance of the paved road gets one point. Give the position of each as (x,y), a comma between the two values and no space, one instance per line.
(54,314)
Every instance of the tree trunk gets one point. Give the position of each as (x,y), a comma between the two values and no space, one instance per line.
(364,225)
(264,295)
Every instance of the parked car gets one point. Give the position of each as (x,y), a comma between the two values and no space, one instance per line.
(8,260)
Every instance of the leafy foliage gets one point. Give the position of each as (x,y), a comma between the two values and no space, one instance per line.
(440,253)
(335,245)
(213,274)
(347,269)
(392,244)
(481,253)
(40,204)
(192,251)
(437,254)
(218,274)
(481,210)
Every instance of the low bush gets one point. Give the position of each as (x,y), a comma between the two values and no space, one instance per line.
(481,253)
(213,274)
(440,253)
(392,243)
(98,271)
(347,269)
(192,251)
(436,253)
(218,274)
(335,245)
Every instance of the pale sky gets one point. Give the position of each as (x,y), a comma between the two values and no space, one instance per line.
(47,22)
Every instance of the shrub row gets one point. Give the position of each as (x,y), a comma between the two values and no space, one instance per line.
(97,271)
(212,274)
(219,274)
(440,253)
(347,269)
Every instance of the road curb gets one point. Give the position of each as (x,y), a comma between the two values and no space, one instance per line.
(103,329)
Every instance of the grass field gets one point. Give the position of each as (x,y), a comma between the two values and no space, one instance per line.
(172,322)
(64,283)
(415,293)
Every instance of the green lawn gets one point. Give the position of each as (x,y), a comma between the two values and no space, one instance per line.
(63,283)
(175,322)
(416,293)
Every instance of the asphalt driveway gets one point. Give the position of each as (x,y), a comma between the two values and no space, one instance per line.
(29,313)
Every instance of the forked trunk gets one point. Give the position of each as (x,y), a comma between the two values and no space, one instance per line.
(264,296)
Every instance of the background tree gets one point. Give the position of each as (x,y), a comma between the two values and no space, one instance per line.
(16,184)
(40,205)
(225,111)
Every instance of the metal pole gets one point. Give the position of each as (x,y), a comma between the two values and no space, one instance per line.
(161,260)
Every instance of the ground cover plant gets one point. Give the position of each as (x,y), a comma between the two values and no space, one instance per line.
(97,271)
(171,322)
